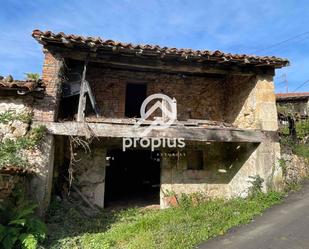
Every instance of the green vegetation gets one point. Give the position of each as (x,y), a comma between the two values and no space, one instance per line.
(256,185)
(284,130)
(180,227)
(302,150)
(11,151)
(297,147)
(8,116)
(20,228)
(32,76)
(302,128)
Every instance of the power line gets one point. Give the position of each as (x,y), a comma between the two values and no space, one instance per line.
(301,85)
(282,42)
(285,81)
(286,45)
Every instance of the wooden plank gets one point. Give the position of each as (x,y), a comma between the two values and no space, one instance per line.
(82,96)
(93,102)
(132,121)
(188,133)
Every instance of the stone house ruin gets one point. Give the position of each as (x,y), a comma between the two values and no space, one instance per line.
(226,113)
(294,103)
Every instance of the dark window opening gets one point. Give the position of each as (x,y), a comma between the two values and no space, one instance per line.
(195,159)
(68,108)
(70,89)
(132,178)
(135,95)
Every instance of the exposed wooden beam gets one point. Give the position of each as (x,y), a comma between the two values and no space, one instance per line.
(152,63)
(188,133)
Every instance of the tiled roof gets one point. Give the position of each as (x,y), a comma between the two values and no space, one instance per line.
(26,85)
(97,43)
(13,170)
(292,96)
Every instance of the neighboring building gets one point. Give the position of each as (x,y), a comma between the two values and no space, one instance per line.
(226,112)
(294,103)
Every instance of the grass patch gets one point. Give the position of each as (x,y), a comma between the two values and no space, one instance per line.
(181,227)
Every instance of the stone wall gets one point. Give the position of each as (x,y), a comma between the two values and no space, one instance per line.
(40,159)
(8,183)
(90,177)
(43,165)
(46,110)
(14,128)
(295,168)
(251,103)
(226,172)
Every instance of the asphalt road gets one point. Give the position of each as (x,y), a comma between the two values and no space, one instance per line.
(284,226)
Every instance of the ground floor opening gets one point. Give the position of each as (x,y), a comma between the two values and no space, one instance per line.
(132,178)
(103,175)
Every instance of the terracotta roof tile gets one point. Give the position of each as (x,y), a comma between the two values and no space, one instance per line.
(292,96)
(49,37)
(26,85)
(13,170)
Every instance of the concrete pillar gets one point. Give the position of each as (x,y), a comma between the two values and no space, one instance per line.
(268,152)
(41,183)
(266,110)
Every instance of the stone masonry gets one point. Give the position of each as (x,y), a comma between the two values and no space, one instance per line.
(253,107)
(247,102)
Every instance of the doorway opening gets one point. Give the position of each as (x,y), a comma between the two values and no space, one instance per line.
(132,179)
(135,95)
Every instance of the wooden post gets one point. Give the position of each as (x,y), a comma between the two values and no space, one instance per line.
(92,99)
(82,96)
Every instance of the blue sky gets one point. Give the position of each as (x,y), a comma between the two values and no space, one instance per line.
(236,26)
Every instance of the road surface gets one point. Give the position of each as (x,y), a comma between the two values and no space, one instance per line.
(284,226)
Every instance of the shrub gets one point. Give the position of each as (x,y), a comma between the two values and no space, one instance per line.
(32,76)
(256,185)
(302,129)
(20,228)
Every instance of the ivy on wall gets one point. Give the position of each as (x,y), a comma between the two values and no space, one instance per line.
(12,151)
(8,116)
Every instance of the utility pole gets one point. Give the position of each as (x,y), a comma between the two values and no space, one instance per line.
(286,82)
